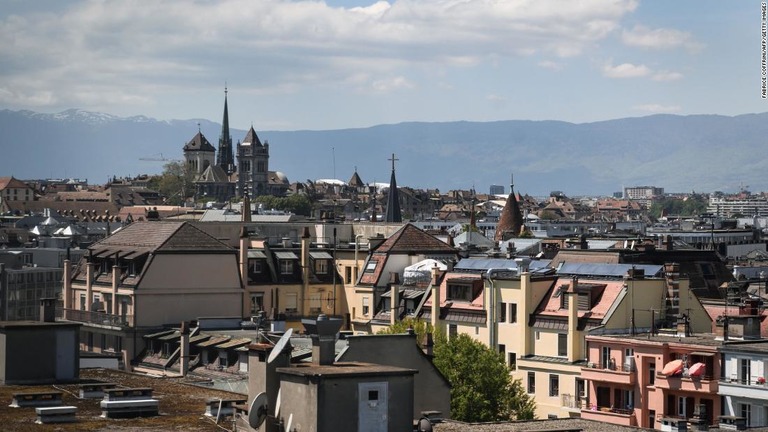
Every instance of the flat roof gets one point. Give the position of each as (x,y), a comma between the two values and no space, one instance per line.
(344,369)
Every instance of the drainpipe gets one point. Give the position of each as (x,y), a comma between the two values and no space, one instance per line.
(493,319)
(357,249)
(67,288)
(115,285)
(89,269)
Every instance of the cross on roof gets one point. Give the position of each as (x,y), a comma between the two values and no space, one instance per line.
(393,161)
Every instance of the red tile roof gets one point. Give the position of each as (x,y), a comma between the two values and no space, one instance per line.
(164,236)
(411,239)
(10,182)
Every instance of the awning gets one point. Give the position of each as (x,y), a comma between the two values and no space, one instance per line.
(286,255)
(702,354)
(171,336)
(320,255)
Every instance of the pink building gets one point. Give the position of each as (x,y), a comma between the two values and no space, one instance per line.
(628,385)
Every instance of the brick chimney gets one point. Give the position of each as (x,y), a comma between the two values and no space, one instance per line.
(184,357)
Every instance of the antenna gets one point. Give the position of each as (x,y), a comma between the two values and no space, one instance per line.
(280,345)
(257,412)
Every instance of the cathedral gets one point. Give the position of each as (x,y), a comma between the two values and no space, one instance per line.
(224,180)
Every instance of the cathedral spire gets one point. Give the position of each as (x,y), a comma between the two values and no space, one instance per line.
(393,199)
(225,158)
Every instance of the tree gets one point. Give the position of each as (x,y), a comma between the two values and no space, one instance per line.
(297,204)
(482,387)
(175,183)
(420,327)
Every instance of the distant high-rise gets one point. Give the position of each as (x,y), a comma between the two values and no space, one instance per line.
(225,158)
(393,199)
(497,190)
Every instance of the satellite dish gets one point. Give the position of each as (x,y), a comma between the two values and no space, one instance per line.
(280,345)
(257,413)
(288,425)
(277,404)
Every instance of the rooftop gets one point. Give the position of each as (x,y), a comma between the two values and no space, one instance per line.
(182,405)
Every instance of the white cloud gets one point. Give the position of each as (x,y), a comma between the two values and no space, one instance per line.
(667,76)
(391,84)
(495,98)
(661,38)
(626,70)
(548,64)
(131,47)
(657,108)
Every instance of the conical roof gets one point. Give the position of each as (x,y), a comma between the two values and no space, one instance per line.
(511,219)
(355,181)
(393,202)
(251,138)
(199,143)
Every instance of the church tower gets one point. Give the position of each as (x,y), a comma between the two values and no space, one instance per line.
(252,166)
(225,158)
(393,199)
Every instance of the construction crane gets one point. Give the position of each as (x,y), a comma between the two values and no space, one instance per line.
(153,158)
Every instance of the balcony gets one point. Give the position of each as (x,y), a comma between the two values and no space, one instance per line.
(617,374)
(754,387)
(704,384)
(571,403)
(96,318)
(617,416)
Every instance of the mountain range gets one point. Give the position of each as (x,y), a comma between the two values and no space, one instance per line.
(679,153)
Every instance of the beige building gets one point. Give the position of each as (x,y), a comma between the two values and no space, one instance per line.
(146,276)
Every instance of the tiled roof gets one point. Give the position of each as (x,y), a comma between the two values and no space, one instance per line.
(511,219)
(550,306)
(251,138)
(370,278)
(213,174)
(411,239)
(167,236)
(10,182)
(199,143)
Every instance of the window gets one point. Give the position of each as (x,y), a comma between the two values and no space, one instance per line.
(538,335)
(370,267)
(513,312)
(746,412)
(246,166)
(503,312)
(745,369)
(256,266)
(531,382)
(321,267)
(652,373)
(554,385)
(118,343)
(366,307)
(290,302)
(82,301)
(629,399)
(581,389)
(347,275)
(605,357)
(286,267)
(261,167)
(453,331)
(459,292)
(512,360)
(681,403)
(315,303)
(257,302)
(562,344)
(502,349)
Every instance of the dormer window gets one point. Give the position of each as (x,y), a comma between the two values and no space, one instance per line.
(459,292)
(286,267)
(321,267)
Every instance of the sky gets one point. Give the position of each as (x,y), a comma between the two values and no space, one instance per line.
(293,65)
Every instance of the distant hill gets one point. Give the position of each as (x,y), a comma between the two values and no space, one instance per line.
(679,153)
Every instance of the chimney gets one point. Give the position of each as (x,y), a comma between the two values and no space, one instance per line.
(394,310)
(583,244)
(287,242)
(435,319)
(374,242)
(48,310)
(323,333)
(429,345)
(305,245)
(574,341)
(184,360)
